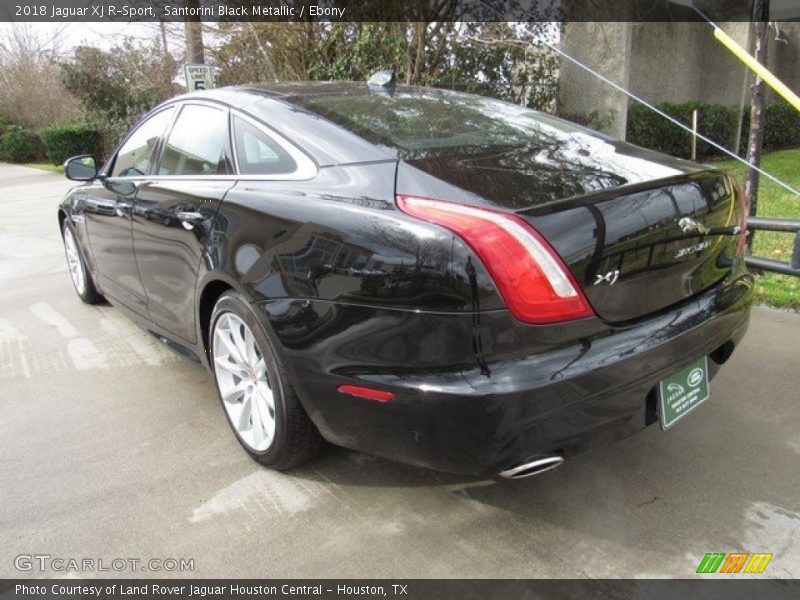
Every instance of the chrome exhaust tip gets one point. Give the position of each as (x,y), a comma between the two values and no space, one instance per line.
(535,467)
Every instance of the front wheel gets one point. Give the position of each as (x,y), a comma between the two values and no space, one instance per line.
(81,278)
(260,404)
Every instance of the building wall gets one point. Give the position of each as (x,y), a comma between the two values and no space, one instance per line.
(679,62)
(606,47)
(665,62)
(784,56)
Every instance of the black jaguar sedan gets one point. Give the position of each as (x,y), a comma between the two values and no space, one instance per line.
(438,278)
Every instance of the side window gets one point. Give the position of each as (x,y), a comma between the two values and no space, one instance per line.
(257,153)
(136,154)
(196,144)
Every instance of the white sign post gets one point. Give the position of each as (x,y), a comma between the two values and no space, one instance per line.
(198,77)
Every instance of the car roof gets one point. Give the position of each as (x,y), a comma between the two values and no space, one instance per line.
(286,90)
(326,142)
(299,89)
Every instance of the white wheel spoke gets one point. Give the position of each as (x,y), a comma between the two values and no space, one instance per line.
(265,401)
(234,395)
(250,347)
(260,369)
(256,418)
(228,365)
(238,341)
(233,349)
(266,395)
(246,414)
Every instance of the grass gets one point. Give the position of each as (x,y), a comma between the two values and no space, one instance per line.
(773,201)
(46,167)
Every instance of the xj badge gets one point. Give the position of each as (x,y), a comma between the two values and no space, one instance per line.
(610,278)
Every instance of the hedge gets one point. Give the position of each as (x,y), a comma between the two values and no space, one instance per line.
(20,145)
(651,130)
(781,127)
(70,140)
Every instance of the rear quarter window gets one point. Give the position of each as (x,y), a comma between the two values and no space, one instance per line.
(257,153)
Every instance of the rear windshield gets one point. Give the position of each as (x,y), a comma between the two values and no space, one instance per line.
(424,120)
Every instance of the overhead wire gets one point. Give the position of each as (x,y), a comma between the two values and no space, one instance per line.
(675,121)
(660,112)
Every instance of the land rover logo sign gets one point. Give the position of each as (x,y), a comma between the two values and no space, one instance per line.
(695,377)
(683,391)
(198,77)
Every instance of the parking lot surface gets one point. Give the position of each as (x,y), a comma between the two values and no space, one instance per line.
(115,447)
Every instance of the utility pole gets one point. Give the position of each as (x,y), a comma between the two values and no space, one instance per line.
(756,138)
(193,28)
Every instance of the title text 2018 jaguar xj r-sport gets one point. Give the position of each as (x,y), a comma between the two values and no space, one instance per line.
(438,278)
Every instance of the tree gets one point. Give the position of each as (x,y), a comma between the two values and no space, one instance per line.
(436,53)
(31,91)
(193,28)
(756,139)
(118,86)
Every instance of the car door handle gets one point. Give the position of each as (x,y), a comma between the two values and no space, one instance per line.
(190,218)
(120,208)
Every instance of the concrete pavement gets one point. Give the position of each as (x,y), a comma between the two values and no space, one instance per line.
(114,447)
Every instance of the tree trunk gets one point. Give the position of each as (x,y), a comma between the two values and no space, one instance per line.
(163,28)
(265,53)
(756,138)
(195,53)
(409,35)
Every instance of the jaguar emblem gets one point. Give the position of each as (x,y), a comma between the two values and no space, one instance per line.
(688,225)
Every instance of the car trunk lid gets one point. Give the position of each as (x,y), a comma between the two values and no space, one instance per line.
(640,231)
(635,252)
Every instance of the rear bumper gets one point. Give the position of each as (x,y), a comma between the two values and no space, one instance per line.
(477,394)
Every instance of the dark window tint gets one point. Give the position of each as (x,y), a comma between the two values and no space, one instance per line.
(136,154)
(257,153)
(429,120)
(196,144)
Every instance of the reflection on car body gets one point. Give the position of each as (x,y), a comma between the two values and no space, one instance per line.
(439,278)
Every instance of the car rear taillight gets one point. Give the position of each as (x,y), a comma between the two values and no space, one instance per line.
(534,283)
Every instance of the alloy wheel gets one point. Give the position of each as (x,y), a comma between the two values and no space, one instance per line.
(243,382)
(74,261)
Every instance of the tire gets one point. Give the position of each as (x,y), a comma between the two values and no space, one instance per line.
(81,278)
(247,371)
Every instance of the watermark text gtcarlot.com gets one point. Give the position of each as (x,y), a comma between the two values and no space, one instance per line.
(47,562)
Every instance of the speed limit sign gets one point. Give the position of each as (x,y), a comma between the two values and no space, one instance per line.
(198,77)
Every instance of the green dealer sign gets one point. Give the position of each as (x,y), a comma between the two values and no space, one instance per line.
(683,391)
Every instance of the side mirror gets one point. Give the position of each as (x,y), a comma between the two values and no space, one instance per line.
(81,168)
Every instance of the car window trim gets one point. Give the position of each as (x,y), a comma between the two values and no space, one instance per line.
(108,168)
(181,105)
(164,136)
(177,105)
(305,169)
